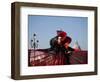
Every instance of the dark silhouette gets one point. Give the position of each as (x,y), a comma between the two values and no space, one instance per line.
(60,45)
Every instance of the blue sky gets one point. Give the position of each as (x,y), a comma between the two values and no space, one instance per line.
(45,27)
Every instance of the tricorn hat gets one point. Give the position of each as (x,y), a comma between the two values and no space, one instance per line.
(62,34)
(67,40)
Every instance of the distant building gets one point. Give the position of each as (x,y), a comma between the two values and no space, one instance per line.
(77,46)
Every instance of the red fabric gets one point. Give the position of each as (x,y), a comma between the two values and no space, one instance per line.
(77,57)
(77,49)
(67,40)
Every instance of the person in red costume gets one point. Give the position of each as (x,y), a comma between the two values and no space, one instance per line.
(60,44)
